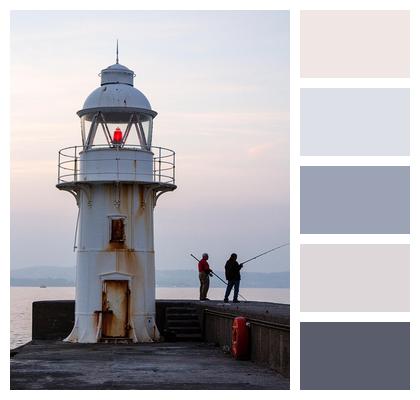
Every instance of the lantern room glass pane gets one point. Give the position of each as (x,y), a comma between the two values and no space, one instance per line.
(116,117)
(86,123)
(145,125)
(114,128)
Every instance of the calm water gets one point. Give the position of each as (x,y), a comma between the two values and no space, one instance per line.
(21,299)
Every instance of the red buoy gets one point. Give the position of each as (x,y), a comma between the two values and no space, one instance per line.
(240,339)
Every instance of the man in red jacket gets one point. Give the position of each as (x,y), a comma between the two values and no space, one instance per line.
(203,274)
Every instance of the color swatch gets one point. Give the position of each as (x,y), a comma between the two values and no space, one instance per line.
(355,122)
(355,44)
(355,199)
(355,277)
(355,355)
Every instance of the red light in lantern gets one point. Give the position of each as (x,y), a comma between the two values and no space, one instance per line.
(117,136)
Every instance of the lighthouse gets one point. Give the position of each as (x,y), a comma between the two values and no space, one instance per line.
(116,177)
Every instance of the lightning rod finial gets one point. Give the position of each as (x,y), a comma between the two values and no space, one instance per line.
(117,52)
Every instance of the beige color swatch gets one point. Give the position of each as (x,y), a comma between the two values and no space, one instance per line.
(355,277)
(355,44)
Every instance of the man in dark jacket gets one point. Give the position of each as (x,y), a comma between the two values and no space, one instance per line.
(233,276)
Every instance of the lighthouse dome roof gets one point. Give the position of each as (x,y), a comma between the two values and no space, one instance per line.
(117,95)
(117,92)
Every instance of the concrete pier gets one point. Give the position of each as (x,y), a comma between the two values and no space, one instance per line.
(194,354)
(183,365)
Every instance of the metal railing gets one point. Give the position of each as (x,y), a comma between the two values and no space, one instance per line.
(69,164)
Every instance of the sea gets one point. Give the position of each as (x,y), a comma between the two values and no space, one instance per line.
(21,299)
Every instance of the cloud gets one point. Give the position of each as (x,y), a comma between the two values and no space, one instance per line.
(259,149)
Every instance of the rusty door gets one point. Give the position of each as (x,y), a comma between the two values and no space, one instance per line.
(115,309)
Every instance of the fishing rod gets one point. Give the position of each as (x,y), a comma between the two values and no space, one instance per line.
(217,276)
(266,252)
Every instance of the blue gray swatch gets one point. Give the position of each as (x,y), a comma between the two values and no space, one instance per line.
(355,122)
(355,355)
(362,200)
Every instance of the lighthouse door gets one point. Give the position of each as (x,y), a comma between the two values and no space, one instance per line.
(115,300)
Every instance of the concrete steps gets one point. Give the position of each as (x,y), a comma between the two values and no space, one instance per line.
(182,317)
(179,322)
(182,324)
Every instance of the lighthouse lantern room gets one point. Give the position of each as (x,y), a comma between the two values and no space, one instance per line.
(116,177)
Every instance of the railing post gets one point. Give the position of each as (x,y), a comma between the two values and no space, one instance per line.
(173,168)
(117,159)
(59,161)
(160,164)
(75,164)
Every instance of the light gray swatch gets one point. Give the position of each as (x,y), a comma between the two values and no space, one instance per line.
(359,200)
(355,122)
(355,355)
(355,277)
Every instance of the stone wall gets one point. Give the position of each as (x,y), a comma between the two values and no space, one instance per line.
(269,341)
(52,319)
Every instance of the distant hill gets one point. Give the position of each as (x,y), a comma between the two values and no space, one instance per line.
(43,275)
(189,278)
(66,276)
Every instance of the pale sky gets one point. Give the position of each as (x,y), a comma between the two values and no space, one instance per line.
(220,84)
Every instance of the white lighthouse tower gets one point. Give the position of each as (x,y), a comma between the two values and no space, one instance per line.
(116,176)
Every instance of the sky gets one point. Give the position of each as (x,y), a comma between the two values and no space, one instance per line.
(219,81)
